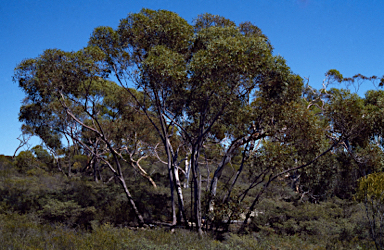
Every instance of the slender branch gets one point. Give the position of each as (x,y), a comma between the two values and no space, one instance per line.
(23,142)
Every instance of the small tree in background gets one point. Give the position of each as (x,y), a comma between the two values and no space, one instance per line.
(371,192)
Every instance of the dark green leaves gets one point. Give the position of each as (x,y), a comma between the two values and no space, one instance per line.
(148,28)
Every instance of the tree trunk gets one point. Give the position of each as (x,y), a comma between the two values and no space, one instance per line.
(122,182)
(131,201)
(136,165)
(197,189)
(180,197)
(187,172)
(95,166)
(226,199)
(171,184)
(215,180)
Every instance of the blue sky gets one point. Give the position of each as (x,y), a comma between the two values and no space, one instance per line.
(312,35)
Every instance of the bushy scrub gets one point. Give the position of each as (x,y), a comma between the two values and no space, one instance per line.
(69,213)
(328,223)
(26,232)
(76,201)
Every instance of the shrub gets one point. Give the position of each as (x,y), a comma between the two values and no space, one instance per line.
(327,222)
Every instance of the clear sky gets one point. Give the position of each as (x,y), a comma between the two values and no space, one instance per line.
(312,35)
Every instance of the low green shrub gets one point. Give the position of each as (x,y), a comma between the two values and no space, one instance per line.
(336,222)
(27,232)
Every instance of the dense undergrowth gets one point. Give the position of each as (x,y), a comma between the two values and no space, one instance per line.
(27,232)
(47,210)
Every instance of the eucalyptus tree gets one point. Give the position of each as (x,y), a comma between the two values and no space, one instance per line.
(192,87)
(356,121)
(238,85)
(148,49)
(194,77)
(363,116)
(67,96)
(324,122)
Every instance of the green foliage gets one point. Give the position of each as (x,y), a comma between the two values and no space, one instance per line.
(68,212)
(371,193)
(95,209)
(24,232)
(332,223)
(371,188)
(25,160)
(335,74)
(6,166)
(149,28)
